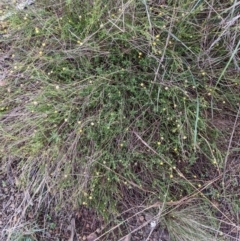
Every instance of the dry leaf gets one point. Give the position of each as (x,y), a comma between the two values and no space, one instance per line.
(2,83)
(126,238)
(72,229)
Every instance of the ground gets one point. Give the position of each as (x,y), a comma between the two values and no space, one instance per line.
(119,120)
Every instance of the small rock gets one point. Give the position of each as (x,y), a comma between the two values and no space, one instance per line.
(141,218)
(98,230)
(91,237)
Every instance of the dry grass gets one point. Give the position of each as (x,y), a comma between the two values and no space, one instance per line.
(119,104)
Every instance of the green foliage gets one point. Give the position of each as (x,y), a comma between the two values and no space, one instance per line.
(115,99)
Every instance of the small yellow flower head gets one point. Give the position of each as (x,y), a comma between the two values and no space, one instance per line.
(142,84)
(65,175)
(140,54)
(66,120)
(80,131)
(154,43)
(43,44)
(121,145)
(161,163)
(36,30)
(158,143)
(171,175)
(90,197)
(92,123)
(79,122)
(184,137)
(35,103)
(166,88)
(199,185)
